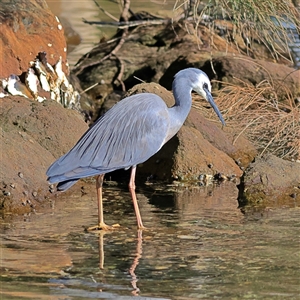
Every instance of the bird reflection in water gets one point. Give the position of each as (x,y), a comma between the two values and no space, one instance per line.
(135,263)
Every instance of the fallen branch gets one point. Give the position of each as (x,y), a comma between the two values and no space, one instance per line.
(125,25)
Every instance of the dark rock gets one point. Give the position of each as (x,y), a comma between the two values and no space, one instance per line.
(270,181)
(242,151)
(148,63)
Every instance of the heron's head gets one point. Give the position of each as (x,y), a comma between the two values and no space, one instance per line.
(201,85)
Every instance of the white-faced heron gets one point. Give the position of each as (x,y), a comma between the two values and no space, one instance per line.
(128,134)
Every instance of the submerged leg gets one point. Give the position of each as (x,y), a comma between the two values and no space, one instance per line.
(133,196)
(101,225)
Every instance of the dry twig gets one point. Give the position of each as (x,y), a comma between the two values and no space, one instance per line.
(105,12)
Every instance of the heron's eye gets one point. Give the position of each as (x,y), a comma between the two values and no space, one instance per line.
(205,86)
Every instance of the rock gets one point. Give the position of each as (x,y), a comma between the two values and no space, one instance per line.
(237,69)
(270,181)
(27,28)
(32,136)
(195,150)
(243,151)
(33,49)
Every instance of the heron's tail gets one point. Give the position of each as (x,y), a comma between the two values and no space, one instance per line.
(68,178)
(64,185)
(63,182)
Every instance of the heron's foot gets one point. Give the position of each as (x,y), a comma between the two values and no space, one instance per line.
(103,226)
(141,227)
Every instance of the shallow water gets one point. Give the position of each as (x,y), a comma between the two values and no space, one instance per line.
(198,245)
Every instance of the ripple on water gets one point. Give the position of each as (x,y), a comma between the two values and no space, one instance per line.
(198,245)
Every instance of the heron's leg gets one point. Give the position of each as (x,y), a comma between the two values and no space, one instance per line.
(101,225)
(99,183)
(133,195)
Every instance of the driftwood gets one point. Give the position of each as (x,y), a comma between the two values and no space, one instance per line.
(124,24)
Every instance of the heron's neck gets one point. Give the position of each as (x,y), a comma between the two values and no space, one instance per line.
(183,102)
(183,99)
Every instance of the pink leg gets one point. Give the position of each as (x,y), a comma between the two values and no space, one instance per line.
(101,224)
(133,196)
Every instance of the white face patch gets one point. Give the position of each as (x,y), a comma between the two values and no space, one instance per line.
(198,87)
(203,79)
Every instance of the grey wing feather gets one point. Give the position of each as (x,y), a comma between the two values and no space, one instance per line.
(128,134)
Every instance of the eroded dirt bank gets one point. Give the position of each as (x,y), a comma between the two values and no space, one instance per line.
(32,135)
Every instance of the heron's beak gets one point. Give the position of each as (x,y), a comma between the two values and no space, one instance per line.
(211,101)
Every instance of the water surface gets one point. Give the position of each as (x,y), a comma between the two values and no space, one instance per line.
(198,245)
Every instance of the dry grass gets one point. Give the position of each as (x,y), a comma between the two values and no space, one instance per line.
(272,125)
(253,20)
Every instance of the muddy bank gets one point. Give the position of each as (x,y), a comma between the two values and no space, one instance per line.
(33,134)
